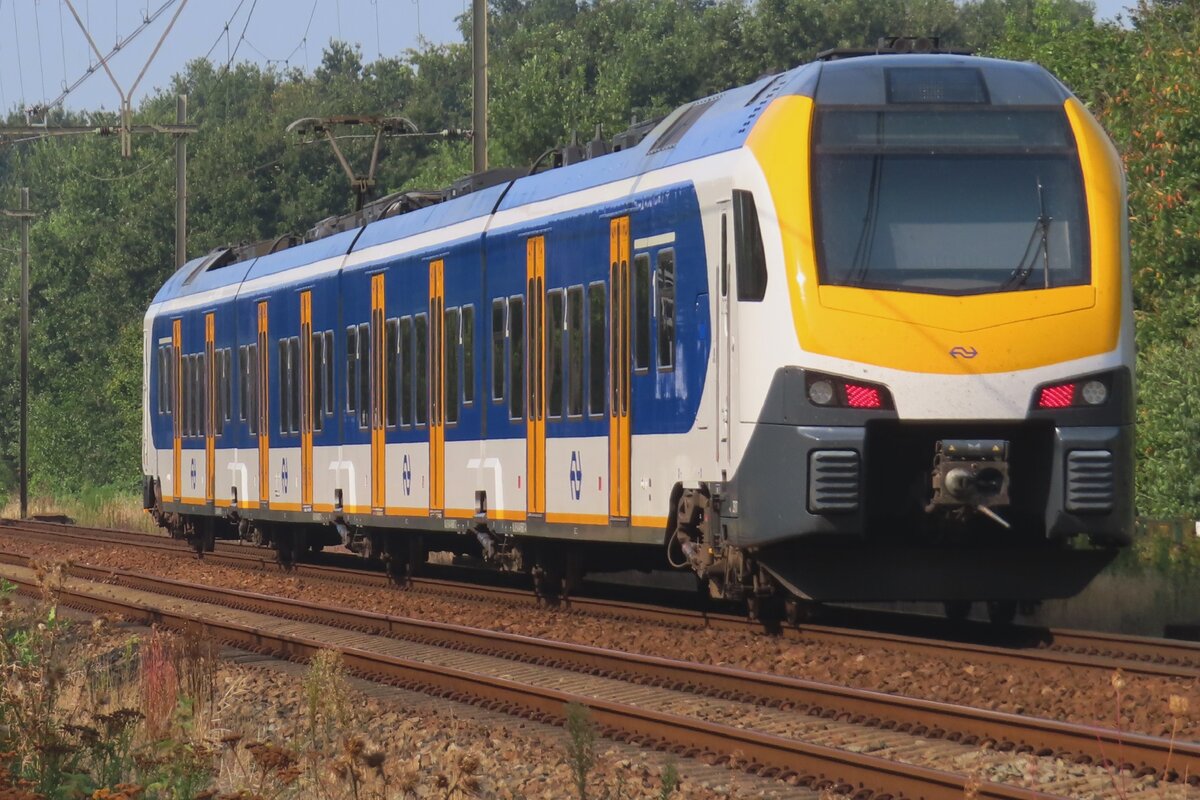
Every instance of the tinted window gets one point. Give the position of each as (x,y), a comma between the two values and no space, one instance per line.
(664,293)
(351,369)
(749,252)
(318,395)
(328,372)
(243,383)
(421,358)
(597,316)
(575,351)
(391,357)
(554,353)
(285,387)
(641,311)
(516,357)
(364,375)
(453,343)
(406,371)
(294,359)
(498,337)
(949,201)
(468,353)
(252,411)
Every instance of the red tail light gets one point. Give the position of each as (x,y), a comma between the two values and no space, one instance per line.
(1057,396)
(862,396)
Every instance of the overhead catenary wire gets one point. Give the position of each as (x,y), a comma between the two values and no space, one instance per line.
(121,44)
(62,44)
(242,38)
(37,26)
(20,58)
(225,31)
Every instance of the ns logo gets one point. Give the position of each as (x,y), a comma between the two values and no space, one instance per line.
(959,351)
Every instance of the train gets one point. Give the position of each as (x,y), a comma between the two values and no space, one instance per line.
(858,331)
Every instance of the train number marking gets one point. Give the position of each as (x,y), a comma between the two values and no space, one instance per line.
(283,475)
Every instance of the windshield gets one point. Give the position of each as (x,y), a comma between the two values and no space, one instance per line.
(948,200)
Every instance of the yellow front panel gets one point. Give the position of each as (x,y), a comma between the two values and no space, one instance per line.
(917,332)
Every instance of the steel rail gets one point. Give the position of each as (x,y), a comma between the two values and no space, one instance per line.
(1137,655)
(766,754)
(927,718)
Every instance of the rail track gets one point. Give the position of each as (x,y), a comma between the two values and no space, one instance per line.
(1019,645)
(852,742)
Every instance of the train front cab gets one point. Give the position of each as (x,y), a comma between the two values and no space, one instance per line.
(952,242)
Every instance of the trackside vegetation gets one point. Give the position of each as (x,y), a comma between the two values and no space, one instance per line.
(103,242)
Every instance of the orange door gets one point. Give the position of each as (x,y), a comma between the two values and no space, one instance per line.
(210,407)
(620,371)
(177,391)
(306,402)
(264,417)
(437,388)
(535,347)
(378,397)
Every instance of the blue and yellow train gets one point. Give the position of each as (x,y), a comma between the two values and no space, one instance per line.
(857,331)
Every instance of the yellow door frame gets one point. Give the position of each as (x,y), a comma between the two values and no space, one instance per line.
(535,348)
(264,416)
(306,401)
(177,391)
(437,387)
(620,372)
(378,399)
(210,410)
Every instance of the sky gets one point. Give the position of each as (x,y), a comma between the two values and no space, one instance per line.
(43,50)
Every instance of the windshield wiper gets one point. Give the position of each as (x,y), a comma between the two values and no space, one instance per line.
(1041,235)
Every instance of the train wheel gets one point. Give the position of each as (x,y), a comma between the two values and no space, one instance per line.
(957,610)
(797,611)
(1002,612)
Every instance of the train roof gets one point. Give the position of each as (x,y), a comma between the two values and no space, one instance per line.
(705,127)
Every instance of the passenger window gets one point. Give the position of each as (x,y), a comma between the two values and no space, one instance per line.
(664,293)
(748,247)
(227,376)
(198,385)
(516,357)
(318,385)
(285,387)
(641,311)
(498,337)
(351,369)
(468,354)
(243,383)
(329,372)
(575,351)
(186,424)
(364,375)
(391,355)
(252,411)
(161,364)
(453,338)
(294,372)
(554,348)
(597,317)
(420,342)
(406,372)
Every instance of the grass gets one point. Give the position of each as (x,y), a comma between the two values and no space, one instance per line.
(99,507)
